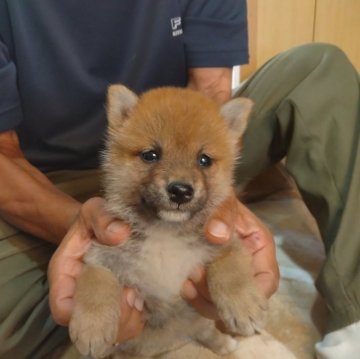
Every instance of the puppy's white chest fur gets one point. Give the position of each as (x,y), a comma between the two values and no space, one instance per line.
(167,260)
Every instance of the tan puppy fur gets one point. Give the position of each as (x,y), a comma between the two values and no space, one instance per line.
(168,164)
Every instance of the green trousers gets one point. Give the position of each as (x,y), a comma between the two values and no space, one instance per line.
(307,110)
(27,329)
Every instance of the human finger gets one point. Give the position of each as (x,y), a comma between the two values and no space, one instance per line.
(220,225)
(132,316)
(199,279)
(64,267)
(264,263)
(101,225)
(200,303)
(259,241)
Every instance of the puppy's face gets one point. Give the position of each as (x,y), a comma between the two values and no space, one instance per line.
(170,154)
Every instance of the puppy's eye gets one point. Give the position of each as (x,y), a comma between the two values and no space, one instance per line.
(205,160)
(150,156)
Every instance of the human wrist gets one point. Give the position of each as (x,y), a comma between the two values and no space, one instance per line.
(69,214)
(214,82)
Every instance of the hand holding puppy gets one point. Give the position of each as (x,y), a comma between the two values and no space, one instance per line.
(92,222)
(233,215)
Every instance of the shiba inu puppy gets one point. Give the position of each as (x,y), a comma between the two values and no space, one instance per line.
(167,166)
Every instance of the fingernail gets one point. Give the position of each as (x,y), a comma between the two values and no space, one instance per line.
(131,298)
(139,304)
(188,291)
(219,229)
(117,226)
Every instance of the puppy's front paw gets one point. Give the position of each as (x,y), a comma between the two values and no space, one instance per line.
(94,333)
(95,318)
(243,311)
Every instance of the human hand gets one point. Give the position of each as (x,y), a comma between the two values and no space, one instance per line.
(233,215)
(213,82)
(92,223)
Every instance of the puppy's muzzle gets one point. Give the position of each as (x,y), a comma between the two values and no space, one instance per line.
(180,192)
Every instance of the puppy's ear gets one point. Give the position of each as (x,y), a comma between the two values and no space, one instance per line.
(120,103)
(236,113)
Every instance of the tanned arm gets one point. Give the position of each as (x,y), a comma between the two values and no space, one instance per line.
(214,82)
(28,200)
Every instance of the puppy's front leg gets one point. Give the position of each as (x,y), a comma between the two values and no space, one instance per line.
(232,287)
(95,318)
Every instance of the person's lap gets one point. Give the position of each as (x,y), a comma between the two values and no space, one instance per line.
(26,326)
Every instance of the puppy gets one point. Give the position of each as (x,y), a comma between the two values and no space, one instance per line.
(167,166)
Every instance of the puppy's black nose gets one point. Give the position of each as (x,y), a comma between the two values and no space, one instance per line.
(180,192)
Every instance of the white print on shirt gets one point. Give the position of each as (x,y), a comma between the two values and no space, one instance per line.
(176,26)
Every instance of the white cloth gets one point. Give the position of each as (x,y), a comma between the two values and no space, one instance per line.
(341,344)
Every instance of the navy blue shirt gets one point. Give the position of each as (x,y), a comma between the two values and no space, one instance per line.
(57,59)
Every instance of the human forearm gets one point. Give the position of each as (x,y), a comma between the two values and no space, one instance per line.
(214,82)
(29,201)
